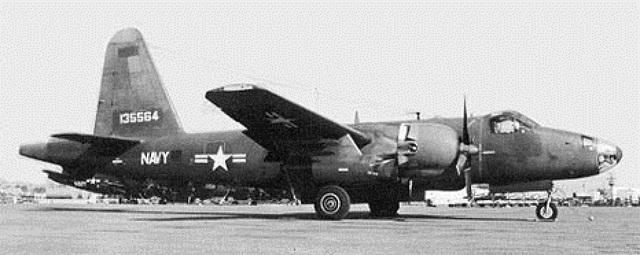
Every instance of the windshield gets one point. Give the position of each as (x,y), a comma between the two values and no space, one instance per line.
(511,122)
(527,121)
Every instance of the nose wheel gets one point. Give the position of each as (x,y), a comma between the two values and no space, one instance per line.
(547,211)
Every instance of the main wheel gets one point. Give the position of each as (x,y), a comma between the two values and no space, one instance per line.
(332,202)
(544,213)
(384,208)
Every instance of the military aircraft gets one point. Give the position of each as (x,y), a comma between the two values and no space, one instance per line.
(137,136)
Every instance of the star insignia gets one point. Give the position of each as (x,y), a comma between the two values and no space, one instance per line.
(220,159)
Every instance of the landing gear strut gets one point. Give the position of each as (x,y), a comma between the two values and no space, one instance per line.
(547,211)
(294,198)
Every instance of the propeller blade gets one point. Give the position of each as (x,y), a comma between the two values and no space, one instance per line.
(466,150)
(462,160)
(465,128)
(467,183)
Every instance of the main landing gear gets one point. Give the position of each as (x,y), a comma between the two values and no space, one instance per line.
(547,211)
(332,202)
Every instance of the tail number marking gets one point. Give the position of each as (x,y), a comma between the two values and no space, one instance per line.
(154,157)
(139,117)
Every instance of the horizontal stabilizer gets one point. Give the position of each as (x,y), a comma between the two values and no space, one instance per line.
(102,145)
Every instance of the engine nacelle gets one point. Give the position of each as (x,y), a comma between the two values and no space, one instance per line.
(428,147)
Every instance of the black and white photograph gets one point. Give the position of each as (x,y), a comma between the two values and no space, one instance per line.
(319,128)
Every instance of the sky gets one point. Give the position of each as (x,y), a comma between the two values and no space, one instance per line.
(567,66)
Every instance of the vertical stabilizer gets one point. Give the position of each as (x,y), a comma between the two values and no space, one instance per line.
(133,102)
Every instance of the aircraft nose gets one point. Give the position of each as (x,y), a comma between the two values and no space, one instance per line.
(33,150)
(609,155)
(618,153)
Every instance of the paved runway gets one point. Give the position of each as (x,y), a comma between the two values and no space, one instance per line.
(282,229)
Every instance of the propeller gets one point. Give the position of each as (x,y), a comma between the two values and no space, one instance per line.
(466,150)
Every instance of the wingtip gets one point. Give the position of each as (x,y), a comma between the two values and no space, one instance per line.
(217,94)
(126,35)
(238,87)
(234,88)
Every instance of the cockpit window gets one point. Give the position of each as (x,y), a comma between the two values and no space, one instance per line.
(524,120)
(506,124)
(528,122)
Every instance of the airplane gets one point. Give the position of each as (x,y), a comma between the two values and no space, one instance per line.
(138,136)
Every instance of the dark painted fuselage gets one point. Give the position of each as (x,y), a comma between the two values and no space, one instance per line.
(191,157)
(532,153)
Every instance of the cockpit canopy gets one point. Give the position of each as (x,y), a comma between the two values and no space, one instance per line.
(508,122)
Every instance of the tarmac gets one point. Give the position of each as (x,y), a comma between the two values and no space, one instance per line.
(283,229)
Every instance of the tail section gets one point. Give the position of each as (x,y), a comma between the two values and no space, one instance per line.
(133,102)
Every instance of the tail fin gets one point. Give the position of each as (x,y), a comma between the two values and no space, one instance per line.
(133,102)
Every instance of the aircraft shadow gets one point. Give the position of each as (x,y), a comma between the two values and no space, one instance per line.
(216,216)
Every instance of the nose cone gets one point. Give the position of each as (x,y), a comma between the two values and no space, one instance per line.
(609,155)
(34,150)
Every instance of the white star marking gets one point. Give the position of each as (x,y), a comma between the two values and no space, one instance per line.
(220,159)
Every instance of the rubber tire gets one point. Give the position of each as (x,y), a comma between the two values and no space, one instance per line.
(384,209)
(332,203)
(547,217)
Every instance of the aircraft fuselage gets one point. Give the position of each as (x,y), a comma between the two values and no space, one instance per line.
(529,154)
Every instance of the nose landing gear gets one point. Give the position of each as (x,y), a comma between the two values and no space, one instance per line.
(547,211)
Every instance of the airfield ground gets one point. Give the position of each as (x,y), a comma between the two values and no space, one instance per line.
(282,229)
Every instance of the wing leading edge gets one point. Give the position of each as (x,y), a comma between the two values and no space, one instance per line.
(277,123)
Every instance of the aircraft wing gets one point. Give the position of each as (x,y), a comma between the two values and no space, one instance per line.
(277,123)
(102,145)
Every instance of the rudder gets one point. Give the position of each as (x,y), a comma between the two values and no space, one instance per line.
(133,101)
